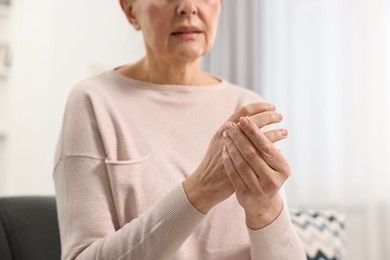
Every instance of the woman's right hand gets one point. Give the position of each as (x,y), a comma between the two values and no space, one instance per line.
(209,184)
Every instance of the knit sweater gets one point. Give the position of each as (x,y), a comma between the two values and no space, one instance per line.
(124,150)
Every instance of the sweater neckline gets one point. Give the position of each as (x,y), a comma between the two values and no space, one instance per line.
(167,87)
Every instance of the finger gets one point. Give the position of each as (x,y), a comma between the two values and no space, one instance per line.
(268,180)
(247,150)
(266,118)
(276,135)
(231,172)
(267,184)
(242,167)
(250,110)
(269,152)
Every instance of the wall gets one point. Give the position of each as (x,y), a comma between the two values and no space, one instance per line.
(5,36)
(56,44)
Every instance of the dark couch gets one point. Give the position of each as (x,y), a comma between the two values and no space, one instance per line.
(29,230)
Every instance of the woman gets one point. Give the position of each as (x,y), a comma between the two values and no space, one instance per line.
(136,174)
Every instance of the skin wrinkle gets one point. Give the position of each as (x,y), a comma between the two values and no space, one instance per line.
(170,60)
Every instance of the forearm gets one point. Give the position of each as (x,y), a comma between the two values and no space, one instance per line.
(157,234)
(88,218)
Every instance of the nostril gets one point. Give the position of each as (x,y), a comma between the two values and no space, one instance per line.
(186,10)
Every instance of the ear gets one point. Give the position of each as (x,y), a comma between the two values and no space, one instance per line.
(127,7)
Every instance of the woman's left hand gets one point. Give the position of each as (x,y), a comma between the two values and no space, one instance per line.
(256,169)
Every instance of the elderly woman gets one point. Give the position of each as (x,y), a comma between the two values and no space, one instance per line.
(160,160)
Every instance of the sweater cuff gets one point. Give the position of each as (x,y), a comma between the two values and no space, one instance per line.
(180,216)
(278,239)
(176,205)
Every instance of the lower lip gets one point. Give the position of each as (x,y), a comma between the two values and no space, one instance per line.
(186,36)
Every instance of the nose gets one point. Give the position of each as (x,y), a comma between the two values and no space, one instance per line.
(187,7)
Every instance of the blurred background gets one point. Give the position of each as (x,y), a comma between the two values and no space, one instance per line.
(325,64)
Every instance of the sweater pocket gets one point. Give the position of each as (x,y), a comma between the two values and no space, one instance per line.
(134,186)
(128,162)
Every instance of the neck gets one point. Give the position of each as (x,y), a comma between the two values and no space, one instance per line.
(177,73)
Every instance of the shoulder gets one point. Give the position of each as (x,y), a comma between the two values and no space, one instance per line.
(98,90)
(88,97)
(91,86)
(80,134)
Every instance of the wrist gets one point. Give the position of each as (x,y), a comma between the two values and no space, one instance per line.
(197,195)
(262,217)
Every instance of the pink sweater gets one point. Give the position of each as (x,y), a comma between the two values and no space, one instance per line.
(124,150)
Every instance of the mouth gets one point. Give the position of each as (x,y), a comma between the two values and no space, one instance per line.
(186,30)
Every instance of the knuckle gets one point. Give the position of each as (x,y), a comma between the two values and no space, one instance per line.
(241,166)
(259,193)
(235,134)
(244,110)
(271,116)
(273,185)
(251,153)
(235,137)
(275,117)
(231,173)
(246,192)
(267,148)
(285,170)
(273,137)
(251,130)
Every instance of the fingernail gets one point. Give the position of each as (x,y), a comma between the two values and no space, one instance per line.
(280,116)
(228,125)
(272,107)
(224,134)
(284,132)
(244,121)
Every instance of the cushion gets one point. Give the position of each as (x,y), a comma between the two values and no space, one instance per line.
(322,233)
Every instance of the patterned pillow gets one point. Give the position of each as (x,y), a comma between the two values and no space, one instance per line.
(322,233)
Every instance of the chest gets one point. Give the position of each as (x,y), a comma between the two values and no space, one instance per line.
(151,150)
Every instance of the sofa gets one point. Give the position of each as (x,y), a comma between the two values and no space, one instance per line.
(29,230)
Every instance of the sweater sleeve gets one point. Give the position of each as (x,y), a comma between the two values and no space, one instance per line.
(88,220)
(278,240)
(88,223)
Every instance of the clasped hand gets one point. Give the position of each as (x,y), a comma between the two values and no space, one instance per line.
(256,168)
(241,159)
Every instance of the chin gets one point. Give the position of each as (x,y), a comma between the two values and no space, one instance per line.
(189,54)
